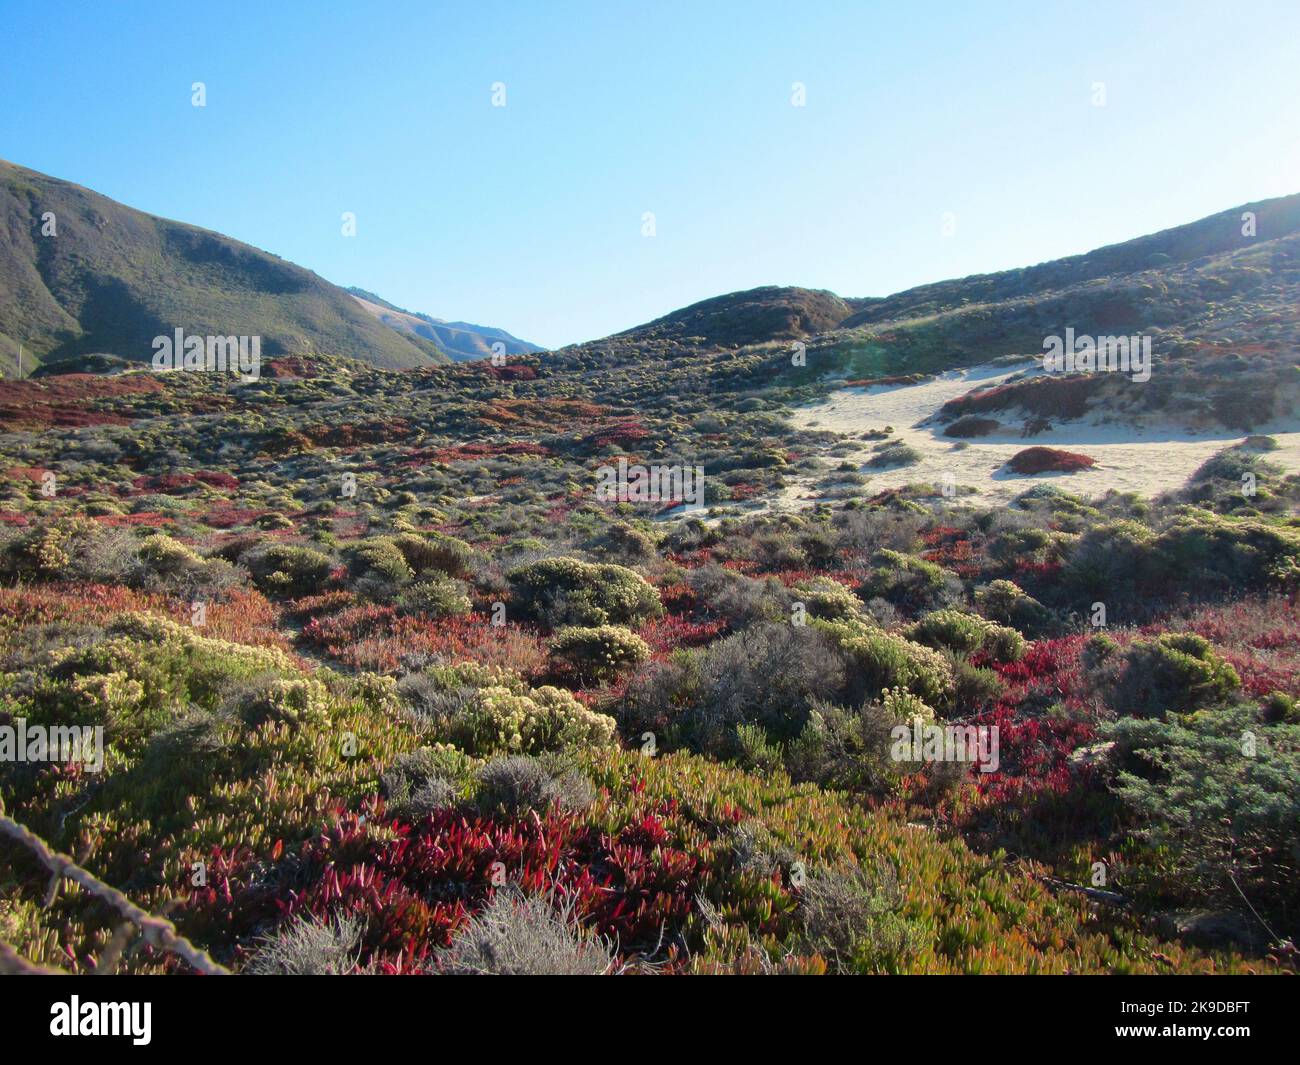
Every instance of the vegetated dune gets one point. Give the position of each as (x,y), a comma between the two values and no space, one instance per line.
(1148,457)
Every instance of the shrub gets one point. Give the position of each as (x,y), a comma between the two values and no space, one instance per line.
(826,598)
(911,583)
(739,599)
(515,784)
(436,552)
(61,549)
(854,919)
(287,569)
(170,563)
(306,946)
(1048,460)
(756,849)
(568,591)
(972,425)
(435,596)
(297,701)
(848,750)
(598,653)
(380,559)
(1175,672)
(1281,708)
(1213,552)
(755,750)
(878,660)
(421,782)
(497,720)
(1006,603)
(523,935)
(767,675)
(1217,796)
(965,634)
(1112,560)
(893,453)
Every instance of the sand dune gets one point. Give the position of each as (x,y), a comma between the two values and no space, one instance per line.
(1149,458)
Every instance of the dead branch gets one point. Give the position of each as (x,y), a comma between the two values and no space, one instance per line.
(158,931)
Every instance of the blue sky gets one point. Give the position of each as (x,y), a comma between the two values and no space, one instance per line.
(529,216)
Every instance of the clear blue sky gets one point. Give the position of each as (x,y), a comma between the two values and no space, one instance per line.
(529,217)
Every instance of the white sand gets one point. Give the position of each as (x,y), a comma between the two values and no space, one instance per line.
(1148,459)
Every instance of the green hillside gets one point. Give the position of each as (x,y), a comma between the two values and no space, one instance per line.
(109,279)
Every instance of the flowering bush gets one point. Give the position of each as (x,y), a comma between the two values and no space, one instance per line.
(545,719)
(598,653)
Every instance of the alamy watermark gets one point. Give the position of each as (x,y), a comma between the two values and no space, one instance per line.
(214,354)
(1088,354)
(21,742)
(635,483)
(928,742)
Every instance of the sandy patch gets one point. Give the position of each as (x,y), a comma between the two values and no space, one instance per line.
(1148,459)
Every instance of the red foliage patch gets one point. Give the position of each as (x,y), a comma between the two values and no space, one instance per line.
(621,433)
(511,371)
(68,400)
(1048,397)
(416,883)
(465,452)
(369,636)
(1048,460)
(347,435)
(291,366)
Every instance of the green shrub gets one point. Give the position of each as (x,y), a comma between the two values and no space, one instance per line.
(425,552)
(1006,603)
(435,596)
(755,750)
(598,653)
(964,634)
(498,720)
(911,583)
(171,564)
(1175,672)
(851,750)
(855,919)
(287,569)
(568,591)
(379,558)
(877,660)
(1112,561)
(1213,552)
(1217,797)
(826,598)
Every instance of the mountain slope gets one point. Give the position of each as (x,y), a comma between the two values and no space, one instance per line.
(111,278)
(756,315)
(1217,234)
(462,341)
(1151,281)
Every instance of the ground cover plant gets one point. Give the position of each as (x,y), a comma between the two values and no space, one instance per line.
(405,695)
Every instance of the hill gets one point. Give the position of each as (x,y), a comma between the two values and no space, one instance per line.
(750,317)
(105,278)
(462,341)
(1160,253)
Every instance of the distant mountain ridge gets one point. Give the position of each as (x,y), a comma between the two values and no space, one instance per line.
(82,274)
(462,341)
